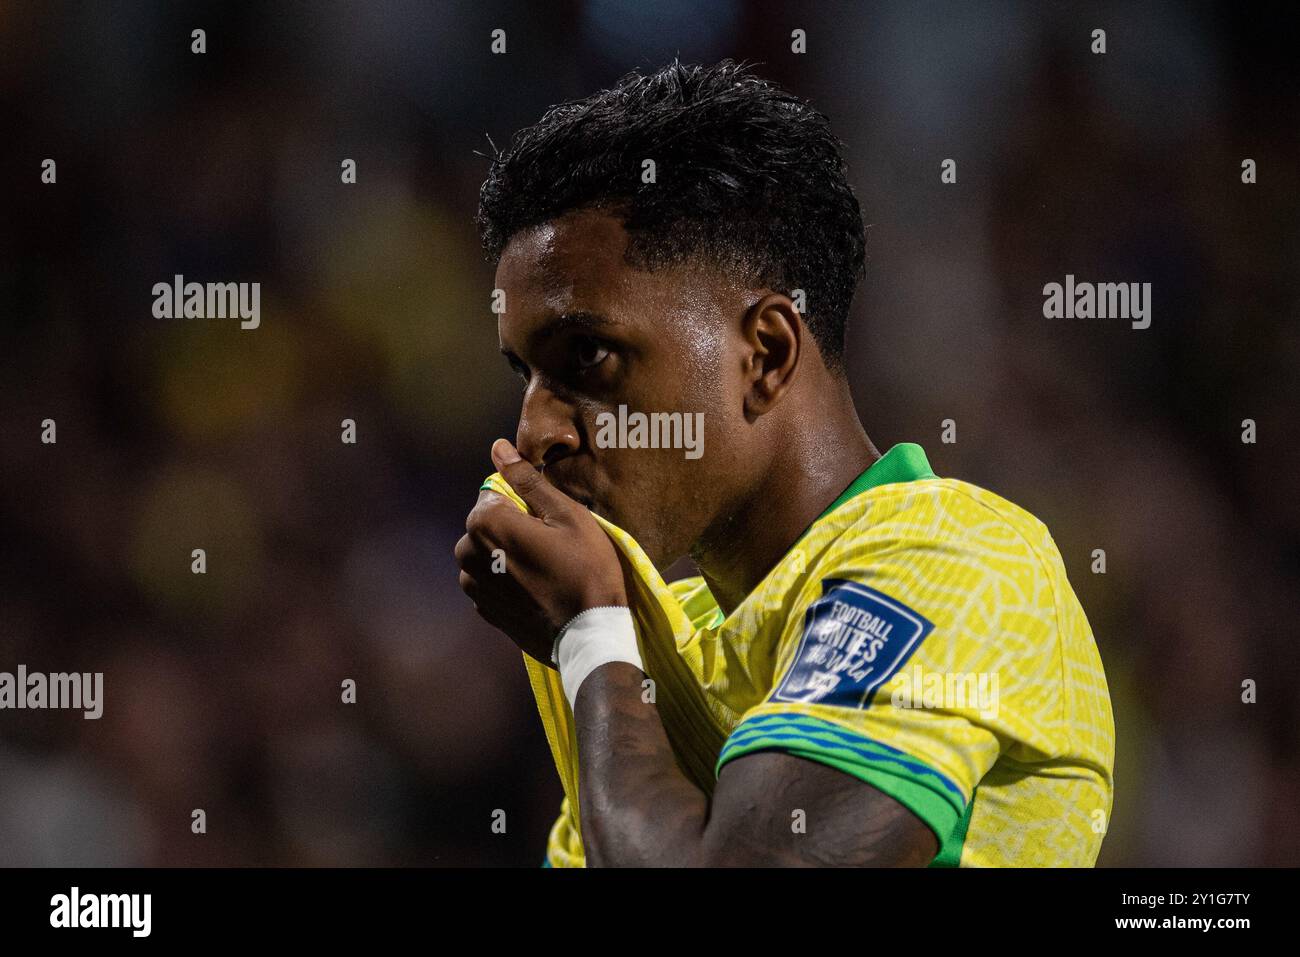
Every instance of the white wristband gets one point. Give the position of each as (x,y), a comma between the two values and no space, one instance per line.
(593,638)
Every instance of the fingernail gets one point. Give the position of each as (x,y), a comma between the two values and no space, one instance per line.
(504,452)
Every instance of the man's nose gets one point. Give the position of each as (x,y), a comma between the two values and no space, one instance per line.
(548,427)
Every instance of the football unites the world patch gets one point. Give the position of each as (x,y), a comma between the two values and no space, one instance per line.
(854,639)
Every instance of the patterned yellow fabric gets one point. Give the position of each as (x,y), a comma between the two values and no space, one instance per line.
(921,636)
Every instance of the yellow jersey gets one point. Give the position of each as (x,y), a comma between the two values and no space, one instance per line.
(921,636)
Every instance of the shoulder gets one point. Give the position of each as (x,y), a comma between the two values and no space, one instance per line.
(948,528)
(948,557)
(943,508)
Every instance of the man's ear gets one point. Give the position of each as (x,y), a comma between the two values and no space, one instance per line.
(773,333)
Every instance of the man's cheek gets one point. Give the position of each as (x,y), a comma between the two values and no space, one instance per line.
(635,511)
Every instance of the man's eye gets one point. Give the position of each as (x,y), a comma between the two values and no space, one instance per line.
(590,352)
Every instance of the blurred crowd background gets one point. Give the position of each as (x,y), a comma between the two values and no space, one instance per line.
(329,561)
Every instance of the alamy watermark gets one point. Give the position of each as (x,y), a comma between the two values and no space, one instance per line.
(75,909)
(947,691)
(1102,300)
(179,299)
(655,430)
(75,690)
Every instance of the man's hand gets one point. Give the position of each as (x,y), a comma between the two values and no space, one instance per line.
(637,806)
(552,564)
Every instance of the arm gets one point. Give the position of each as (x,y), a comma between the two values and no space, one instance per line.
(639,809)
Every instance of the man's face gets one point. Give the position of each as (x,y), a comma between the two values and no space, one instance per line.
(588,333)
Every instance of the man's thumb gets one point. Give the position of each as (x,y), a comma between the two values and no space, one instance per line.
(524,479)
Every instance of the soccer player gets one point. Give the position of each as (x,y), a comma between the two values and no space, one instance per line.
(877,666)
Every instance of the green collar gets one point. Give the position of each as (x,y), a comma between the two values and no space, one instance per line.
(905,462)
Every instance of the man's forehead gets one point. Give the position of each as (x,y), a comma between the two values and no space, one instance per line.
(567,269)
(579,251)
(575,265)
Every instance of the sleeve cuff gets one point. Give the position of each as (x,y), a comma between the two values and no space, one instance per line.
(928,794)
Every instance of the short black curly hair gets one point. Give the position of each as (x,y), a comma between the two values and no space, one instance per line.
(749,178)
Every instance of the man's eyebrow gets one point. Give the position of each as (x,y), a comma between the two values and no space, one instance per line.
(590,321)
(579,319)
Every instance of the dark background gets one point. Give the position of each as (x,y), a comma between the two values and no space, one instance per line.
(328,561)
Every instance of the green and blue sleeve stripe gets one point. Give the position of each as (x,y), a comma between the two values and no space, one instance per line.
(931,796)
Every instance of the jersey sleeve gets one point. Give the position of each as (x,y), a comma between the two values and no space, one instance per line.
(914,663)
